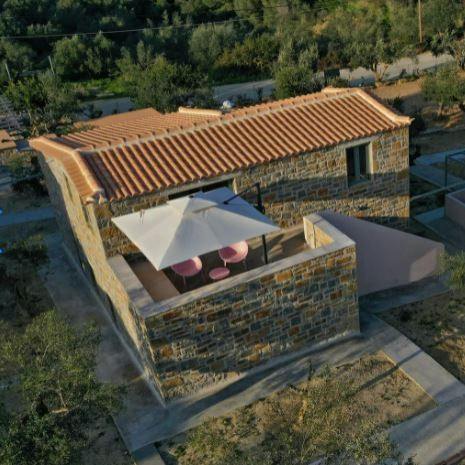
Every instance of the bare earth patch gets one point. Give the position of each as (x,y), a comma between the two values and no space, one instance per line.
(388,397)
(437,325)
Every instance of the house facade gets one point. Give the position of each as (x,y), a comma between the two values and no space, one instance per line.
(339,149)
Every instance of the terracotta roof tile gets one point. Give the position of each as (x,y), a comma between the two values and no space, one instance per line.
(144,151)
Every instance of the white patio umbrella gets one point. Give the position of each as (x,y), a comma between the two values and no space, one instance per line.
(193,225)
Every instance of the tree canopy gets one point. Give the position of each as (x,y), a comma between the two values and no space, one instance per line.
(246,40)
(53,366)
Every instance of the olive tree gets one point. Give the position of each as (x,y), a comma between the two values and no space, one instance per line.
(51,367)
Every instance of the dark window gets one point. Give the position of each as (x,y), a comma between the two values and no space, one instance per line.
(206,188)
(358,166)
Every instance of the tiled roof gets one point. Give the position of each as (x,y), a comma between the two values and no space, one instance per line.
(147,151)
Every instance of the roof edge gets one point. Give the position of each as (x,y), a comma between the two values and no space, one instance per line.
(51,148)
(383,107)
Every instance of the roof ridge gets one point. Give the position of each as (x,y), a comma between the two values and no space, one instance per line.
(229,118)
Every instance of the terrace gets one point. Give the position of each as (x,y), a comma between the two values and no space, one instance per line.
(164,284)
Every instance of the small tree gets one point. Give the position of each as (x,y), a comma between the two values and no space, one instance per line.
(48,104)
(161,84)
(55,368)
(445,87)
(293,80)
(450,42)
(208,42)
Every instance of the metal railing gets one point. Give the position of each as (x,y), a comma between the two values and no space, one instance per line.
(446,167)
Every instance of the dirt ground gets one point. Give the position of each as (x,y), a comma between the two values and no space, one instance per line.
(437,325)
(452,123)
(387,394)
(12,202)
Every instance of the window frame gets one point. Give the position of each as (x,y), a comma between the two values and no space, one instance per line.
(369,162)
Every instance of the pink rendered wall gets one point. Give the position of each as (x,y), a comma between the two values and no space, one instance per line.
(387,257)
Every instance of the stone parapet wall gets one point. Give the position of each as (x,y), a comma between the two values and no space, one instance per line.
(224,329)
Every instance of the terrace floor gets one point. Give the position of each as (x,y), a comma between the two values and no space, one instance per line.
(164,284)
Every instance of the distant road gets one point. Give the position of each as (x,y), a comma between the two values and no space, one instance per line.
(356,77)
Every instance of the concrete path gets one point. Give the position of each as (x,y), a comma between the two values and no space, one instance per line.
(434,436)
(26,216)
(446,229)
(438,157)
(383,301)
(434,175)
(187,413)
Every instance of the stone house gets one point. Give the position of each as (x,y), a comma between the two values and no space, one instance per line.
(339,150)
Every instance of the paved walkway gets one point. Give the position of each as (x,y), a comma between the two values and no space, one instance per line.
(438,157)
(446,229)
(434,175)
(26,216)
(434,436)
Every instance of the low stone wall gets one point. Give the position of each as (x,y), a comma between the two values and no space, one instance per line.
(224,329)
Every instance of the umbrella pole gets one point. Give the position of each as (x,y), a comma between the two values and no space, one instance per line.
(265,251)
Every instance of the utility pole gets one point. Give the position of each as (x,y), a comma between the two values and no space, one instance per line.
(420,23)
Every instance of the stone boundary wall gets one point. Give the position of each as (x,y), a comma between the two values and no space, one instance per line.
(299,185)
(224,329)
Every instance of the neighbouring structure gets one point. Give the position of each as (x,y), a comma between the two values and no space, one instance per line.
(339,149)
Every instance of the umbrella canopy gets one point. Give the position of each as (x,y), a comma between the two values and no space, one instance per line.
(194,225)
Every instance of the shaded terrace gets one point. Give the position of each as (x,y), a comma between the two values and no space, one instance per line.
(164,284)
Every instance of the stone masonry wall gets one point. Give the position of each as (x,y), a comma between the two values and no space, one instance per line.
(81,236)
(296,186)
(221,335)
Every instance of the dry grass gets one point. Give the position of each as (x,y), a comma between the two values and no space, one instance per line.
(437,325)
(386,396)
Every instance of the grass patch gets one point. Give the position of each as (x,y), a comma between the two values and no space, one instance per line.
(302,423)
(437,325)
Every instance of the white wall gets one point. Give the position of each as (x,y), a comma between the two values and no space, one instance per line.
(387,257)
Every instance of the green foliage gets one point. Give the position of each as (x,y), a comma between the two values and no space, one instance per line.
(48,103)
(450,42)
(18,268)
(255,55)
(208,42)
(293,80)
(441,16)
(359,36)
(454,265)
(61,396)
(322,419)
(445,87)
(18,57)
(78,57)
(158,83)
